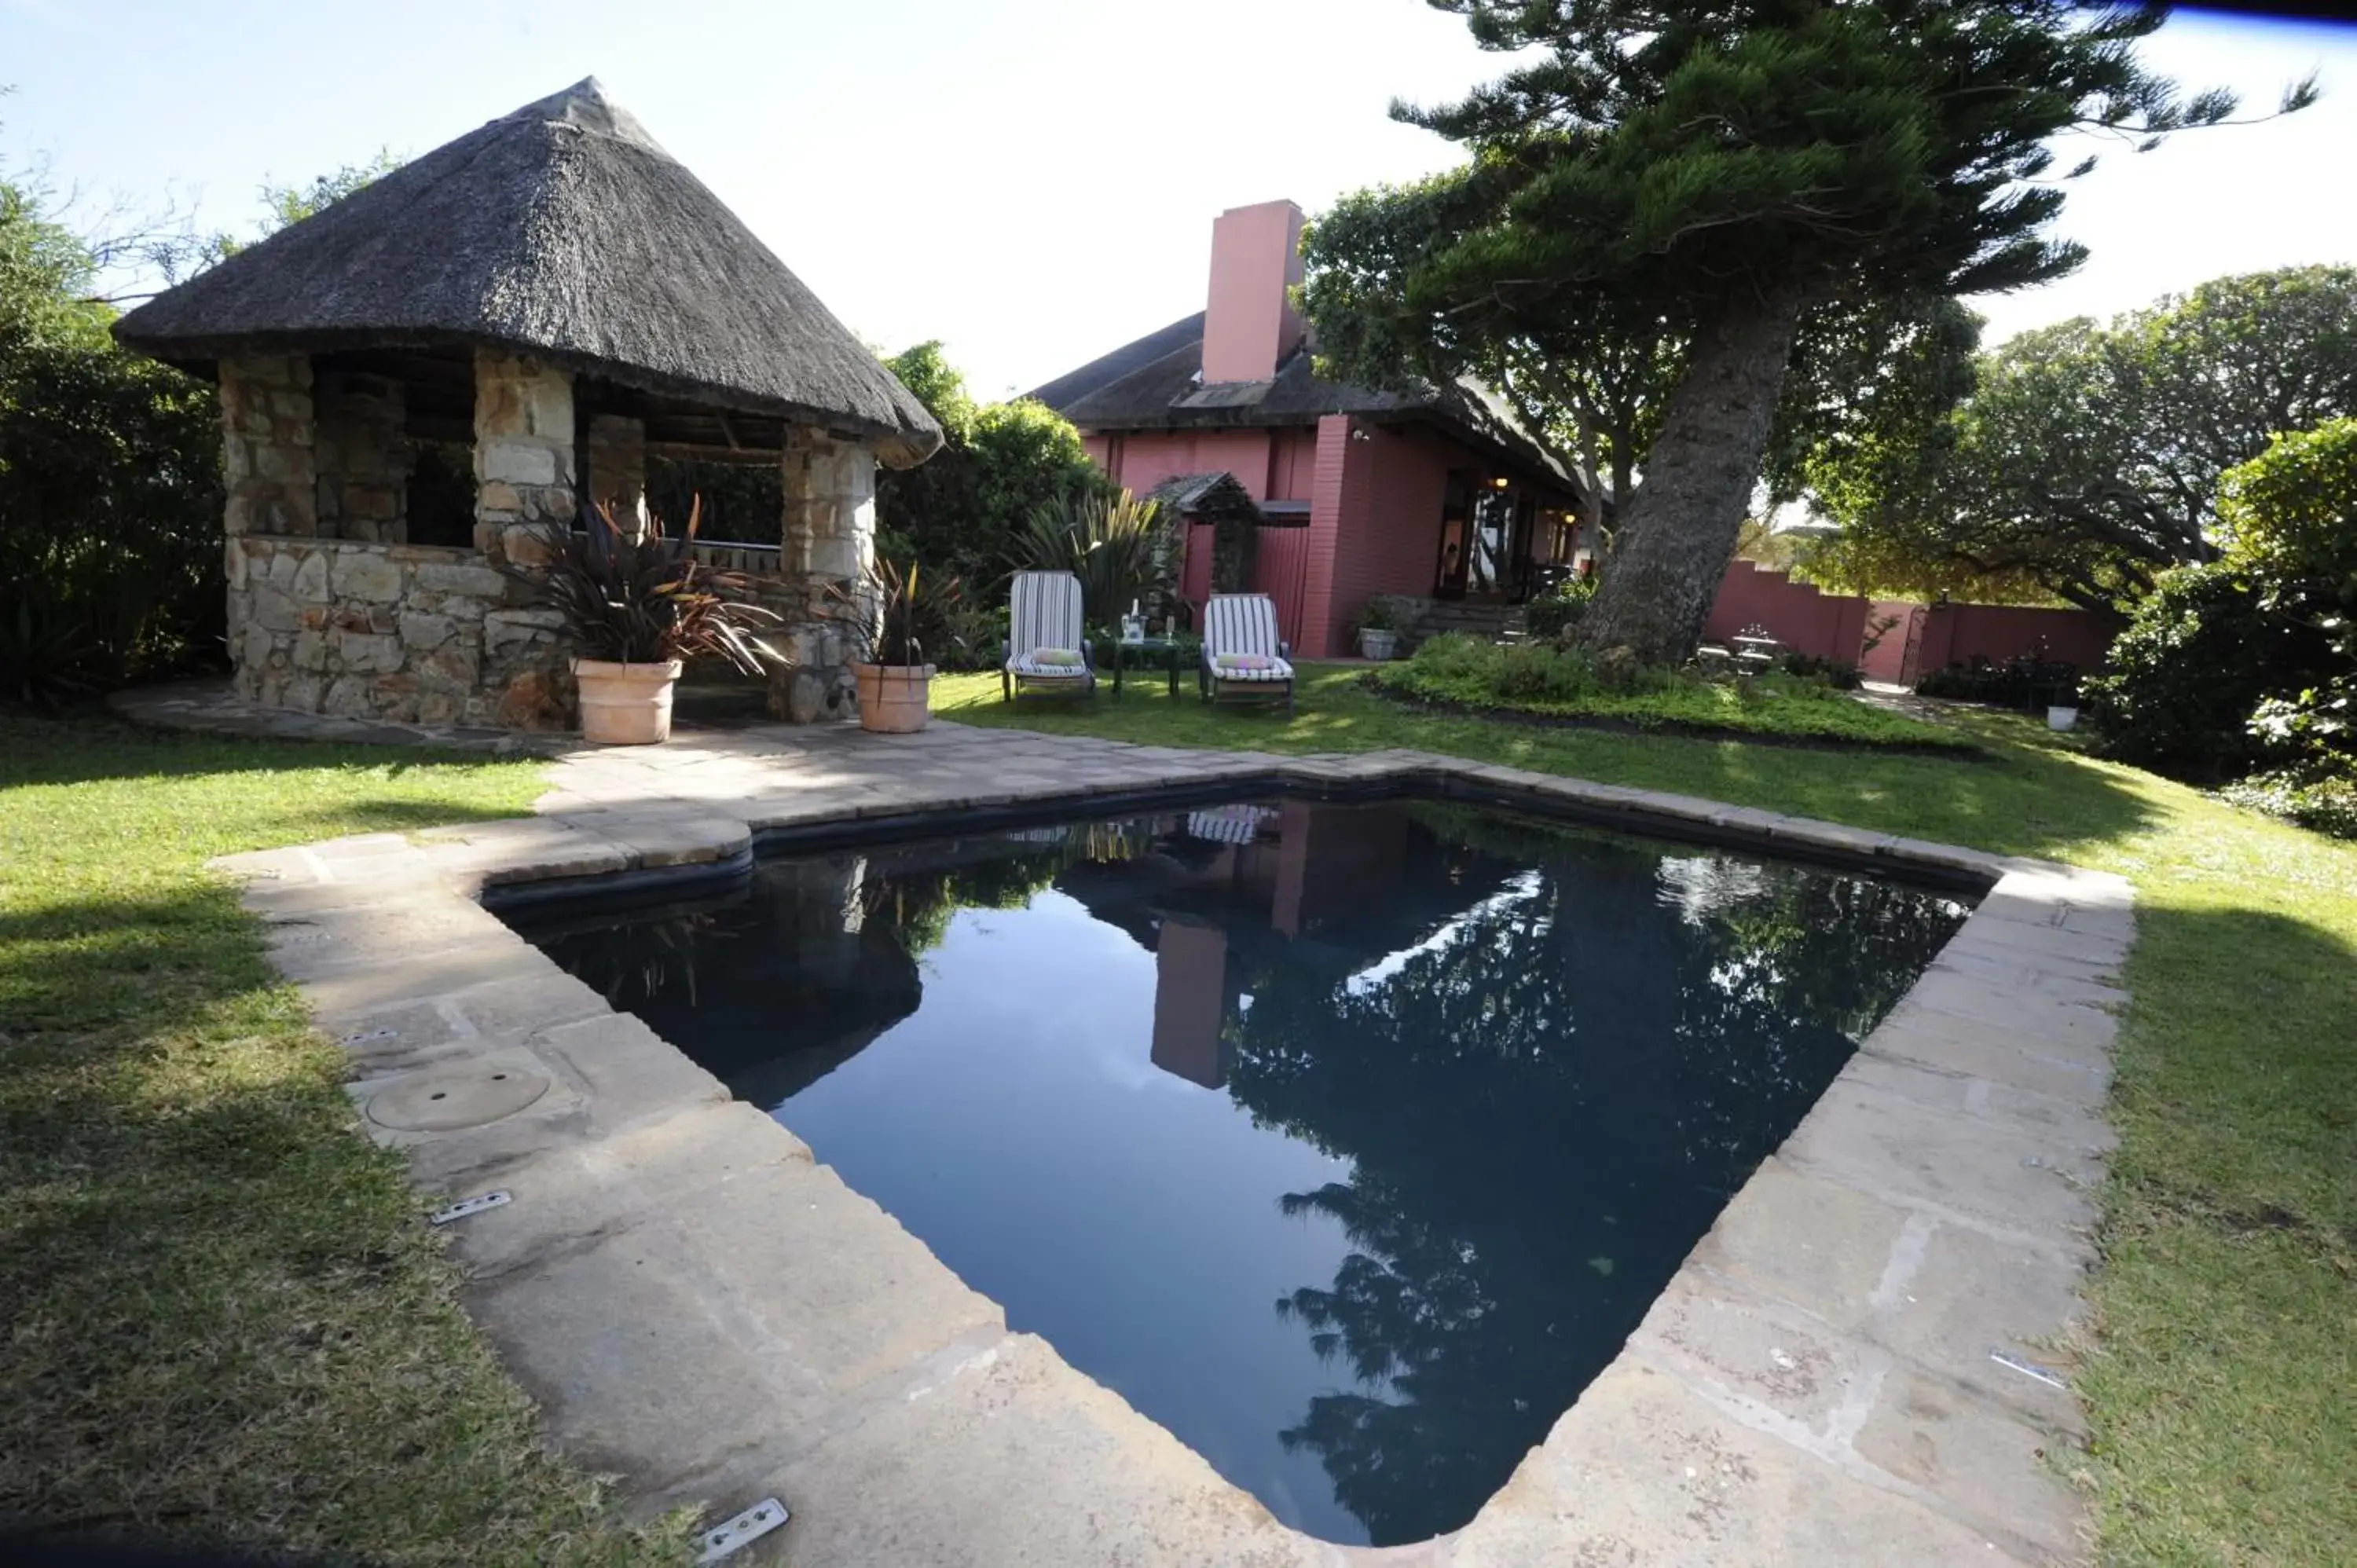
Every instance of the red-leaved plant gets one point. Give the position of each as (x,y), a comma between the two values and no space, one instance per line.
(644,598)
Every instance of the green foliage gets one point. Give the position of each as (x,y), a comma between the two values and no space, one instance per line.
(2089,459)
(1570,683)
(2290,517)
(2289,514)
(743,503)
(2251,662)
(1123,550)
(967,509)
(926,371)
(109,483)
(2200,653)
(293,203)
(2324,803)
(289,204)
(1558,610)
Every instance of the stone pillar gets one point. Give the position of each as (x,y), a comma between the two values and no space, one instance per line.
(523,452)
(828,541)
(618,470)
(362,459)
(266,445)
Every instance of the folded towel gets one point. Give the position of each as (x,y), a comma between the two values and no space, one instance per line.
(1060,657)
(1242,662)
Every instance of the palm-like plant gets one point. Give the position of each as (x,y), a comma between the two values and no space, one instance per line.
(913,613)
(1121,548)
(641,599)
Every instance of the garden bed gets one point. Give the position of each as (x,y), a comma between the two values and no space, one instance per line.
(1510,684)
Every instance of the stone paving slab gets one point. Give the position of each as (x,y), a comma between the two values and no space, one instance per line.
(1833,1378)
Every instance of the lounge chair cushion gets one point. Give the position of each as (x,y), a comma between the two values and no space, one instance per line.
(1250,667)
(1050,664)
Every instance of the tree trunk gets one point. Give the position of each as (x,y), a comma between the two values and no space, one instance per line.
(1677,533)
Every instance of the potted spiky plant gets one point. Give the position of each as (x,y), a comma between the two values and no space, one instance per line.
(911,617)
(637,607)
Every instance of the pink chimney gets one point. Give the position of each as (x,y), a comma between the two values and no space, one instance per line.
(1249,322)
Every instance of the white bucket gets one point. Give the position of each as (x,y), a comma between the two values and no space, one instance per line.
(2061,718)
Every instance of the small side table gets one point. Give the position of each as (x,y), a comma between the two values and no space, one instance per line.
(1146,655)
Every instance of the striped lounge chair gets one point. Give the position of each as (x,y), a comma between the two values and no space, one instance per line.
(1044,620)
(1242,656)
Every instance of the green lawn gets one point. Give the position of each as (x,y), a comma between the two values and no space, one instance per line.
(224,1318)
(2220,1380)
(221,1314)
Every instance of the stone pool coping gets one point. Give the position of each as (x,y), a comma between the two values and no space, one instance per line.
(1858,1364)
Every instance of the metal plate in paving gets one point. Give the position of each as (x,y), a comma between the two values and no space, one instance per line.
(744,1528)
(465,1205)
(2029,1369)
(457,1097)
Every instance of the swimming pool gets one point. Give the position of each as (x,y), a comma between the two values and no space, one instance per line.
(1348,1141)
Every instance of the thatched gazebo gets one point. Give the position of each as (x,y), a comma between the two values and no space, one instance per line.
(482,341)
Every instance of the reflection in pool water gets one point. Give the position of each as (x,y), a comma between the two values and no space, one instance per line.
(1348,1142)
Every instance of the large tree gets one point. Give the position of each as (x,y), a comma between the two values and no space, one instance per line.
(1733,166)
(1591,371)
(2088,459)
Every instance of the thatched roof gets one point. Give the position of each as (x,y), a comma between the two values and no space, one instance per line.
(1156,384)
(562,229)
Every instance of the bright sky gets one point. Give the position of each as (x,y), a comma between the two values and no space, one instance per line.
(1032,181)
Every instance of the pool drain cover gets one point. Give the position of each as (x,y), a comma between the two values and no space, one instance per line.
(457,1097)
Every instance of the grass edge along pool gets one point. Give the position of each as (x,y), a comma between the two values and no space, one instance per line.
(1346,1140)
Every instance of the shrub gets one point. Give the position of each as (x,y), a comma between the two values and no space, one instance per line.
(1538,679)
(1830,673)
(2200,653)
(2291,519)
(1560,609)
(2016,683)
(965,510)
(2326,804)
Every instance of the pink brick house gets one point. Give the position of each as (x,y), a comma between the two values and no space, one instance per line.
(1439,494)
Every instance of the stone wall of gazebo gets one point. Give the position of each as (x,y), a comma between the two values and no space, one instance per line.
(332,611)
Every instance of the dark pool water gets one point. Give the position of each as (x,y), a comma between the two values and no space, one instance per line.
(1348,1142)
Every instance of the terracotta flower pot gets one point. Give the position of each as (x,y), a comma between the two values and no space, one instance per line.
(894,698)
(625,704)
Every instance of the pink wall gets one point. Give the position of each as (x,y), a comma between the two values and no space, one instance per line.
(1956,634)
(1345,477)
(1795,614)
(1833,626)
(1281,570)
(1250,322)
(1140,459)
(1392,544)
(1887,660)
